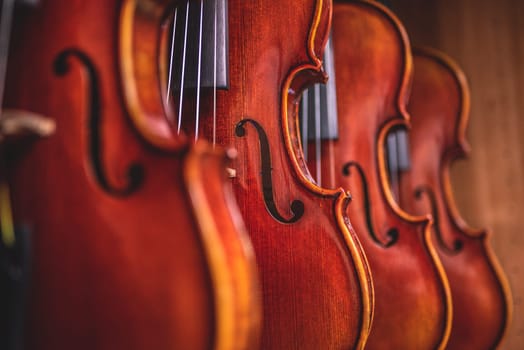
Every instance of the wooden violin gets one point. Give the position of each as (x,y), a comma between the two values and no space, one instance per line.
(372,70)
(316,285)
(137,240)
(439,106)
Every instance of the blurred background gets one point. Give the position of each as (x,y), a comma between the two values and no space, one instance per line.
(486,38)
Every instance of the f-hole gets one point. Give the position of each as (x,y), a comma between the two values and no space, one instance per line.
(297,206)
(135,172)
(392,233)
(457,244)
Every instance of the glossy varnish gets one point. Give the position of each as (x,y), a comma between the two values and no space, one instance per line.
(316,284)
(137,241)
(373,69)
(439,107)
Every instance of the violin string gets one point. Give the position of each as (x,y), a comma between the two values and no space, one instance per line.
(318,135)
(331,156)
(331,108)
(305,122)
(199,71)
(171,55)
(391,151)
(5,33)
(331,152)
(215,78)
(394,178)
(180,102)
(400,151)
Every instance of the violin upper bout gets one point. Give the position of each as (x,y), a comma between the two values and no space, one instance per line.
(301,77)
(140,44)
(320,29)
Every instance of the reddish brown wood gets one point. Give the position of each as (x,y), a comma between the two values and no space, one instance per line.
(439,106)
(316,285)
(373,70)
(165,264)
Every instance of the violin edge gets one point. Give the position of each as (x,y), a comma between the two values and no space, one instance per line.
(238,317)
(137,22)
(289,108)
(462,150)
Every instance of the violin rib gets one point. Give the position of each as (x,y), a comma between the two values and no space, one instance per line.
(373,70)
(439,106)
(137,240)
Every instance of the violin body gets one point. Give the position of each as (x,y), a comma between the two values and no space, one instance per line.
(316,285)
(439,106)
(373,69)
(137,240)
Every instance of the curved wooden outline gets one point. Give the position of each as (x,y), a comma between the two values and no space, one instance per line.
(297,206)
(461,151)
(392,234)
(230,329)
(403,120)
(427,223)
(135,171)
(232,294)
(430,196)
(140,22)
(342,198)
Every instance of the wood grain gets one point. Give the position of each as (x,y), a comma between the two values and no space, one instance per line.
(373,69)
(316,285)
(156,260)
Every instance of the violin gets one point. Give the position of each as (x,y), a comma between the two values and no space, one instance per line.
(345,141)
(439,106)
(137,241)
(316,284)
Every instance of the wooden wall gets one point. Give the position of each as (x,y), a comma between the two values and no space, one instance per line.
(486,37)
